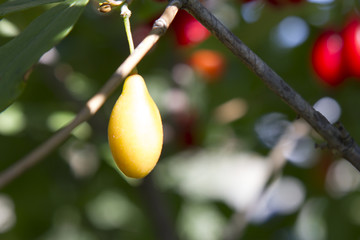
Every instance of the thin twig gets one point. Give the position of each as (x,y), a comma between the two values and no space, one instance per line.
(276,161)
(95,103)
(339,140)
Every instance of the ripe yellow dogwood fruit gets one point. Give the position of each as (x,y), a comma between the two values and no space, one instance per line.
(135,129)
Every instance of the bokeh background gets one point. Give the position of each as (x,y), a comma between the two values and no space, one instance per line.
(220,133)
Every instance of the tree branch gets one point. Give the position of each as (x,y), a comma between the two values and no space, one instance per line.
(96,102)
(337,138)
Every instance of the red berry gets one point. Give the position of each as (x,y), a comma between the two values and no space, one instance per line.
(186,126)
(351,38)
(188,30)
(327,58)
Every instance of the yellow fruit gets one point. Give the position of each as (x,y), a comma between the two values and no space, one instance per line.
(135,129)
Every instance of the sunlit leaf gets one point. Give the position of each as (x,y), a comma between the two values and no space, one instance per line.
(18,5)
(18,55)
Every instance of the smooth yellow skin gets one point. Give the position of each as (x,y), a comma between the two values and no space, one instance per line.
(135,129)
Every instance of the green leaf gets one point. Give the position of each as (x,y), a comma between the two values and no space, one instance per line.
(18,5)
(18,55)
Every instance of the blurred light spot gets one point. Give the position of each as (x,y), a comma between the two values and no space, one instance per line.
(62,70)
(291,32)
(302,152)
(251,11)
(311,223)
(285,196)
(323,14)
(199,221)
(78,84)
(231,110)
(158,85)
(7,213)
(113,210)
(321,1)
(208,64)
(8,29)
(234,178)
(83,131)
(82,158)
(60,119)
(176,101)
(12,120)
(227,15)
(183,74)
(342,178)
(330,108)
(270,127)
(294,145)
(50,57)
(67,225)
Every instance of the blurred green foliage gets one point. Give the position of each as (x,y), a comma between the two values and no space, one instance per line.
(207,161)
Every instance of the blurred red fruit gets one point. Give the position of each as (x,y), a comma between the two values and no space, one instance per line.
(186,126)
(327,58)
(351,38)
(208,63)
(188,30)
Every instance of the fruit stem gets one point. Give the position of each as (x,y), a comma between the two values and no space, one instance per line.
(126,14)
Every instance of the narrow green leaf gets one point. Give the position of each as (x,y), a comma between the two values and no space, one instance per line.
(18,5)
(18,55)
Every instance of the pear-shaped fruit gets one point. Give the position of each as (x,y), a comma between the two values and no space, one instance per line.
(135,129)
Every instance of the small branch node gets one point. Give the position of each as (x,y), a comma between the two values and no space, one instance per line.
(125,11)
(177,3)
(344,134)
(161,25)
